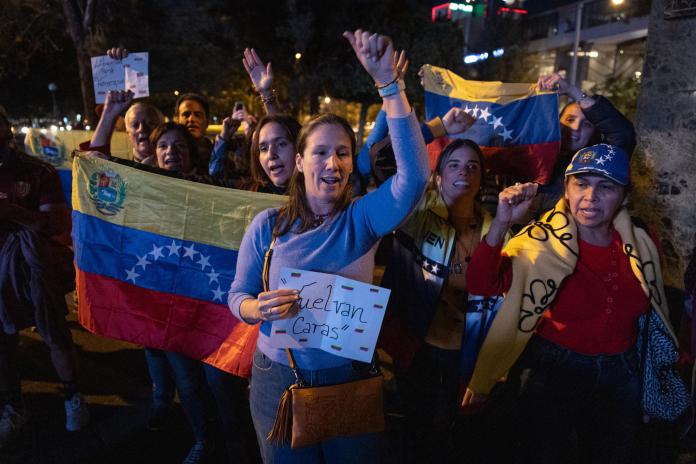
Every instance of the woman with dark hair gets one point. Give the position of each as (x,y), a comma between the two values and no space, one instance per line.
(273,154)
(576,283)
(585,121)
(322,230)
(174,147)
(430,306)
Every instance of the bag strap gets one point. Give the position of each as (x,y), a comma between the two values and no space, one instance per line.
(299,381)
(267,265)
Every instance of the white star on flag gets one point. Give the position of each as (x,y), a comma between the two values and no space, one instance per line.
(435,268)
(601,160)
(204,262)
(132,275)
(173,248)
(496,122)
(218,294)
(475,111)
(467,109)
(484,114)
(507,134)
(213,276)
(156,252)
(190,252)
(142,261)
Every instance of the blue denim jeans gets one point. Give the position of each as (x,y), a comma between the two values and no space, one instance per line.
(161,376)
(576,406)
(196,381)
(194,397)
(269,380)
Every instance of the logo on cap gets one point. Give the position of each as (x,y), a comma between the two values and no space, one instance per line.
(587,157)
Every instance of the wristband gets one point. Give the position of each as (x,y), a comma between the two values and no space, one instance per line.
(270,99)
(392,89)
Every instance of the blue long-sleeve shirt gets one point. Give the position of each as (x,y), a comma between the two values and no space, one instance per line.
(378,132)
(343,245)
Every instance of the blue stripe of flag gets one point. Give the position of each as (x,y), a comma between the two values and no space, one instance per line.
(529,120)
(153,261)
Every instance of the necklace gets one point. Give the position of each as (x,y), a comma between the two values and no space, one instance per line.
(458,266)
(319,219)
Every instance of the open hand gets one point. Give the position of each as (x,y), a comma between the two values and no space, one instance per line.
(261,75)
(401,64)
(376,53)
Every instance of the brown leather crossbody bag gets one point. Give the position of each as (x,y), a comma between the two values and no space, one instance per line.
(308,415)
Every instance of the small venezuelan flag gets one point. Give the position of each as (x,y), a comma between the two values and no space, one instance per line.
(155,258)
(517,127)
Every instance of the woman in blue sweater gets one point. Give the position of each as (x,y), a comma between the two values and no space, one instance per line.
(321,229)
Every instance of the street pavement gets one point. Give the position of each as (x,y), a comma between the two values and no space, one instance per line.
(117,388)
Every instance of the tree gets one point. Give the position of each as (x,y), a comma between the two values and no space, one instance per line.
(79,22)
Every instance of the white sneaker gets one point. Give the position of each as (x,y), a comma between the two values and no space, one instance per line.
(76,413)
(11,421)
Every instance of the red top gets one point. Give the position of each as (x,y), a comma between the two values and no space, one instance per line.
(597,306)
(28,182)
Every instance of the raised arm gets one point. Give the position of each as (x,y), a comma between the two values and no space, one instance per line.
(615,128)
(262,78)
(403,190)
(115,104)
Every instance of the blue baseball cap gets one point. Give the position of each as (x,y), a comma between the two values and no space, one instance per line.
(606,160)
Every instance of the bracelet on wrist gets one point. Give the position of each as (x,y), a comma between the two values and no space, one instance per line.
(391,89)
(378,86)
(269,98)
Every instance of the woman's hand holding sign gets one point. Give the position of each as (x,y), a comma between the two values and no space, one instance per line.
(269,306)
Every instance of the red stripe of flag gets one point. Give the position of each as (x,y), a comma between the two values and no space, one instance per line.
(195,328)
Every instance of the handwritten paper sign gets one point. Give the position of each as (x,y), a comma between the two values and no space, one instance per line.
(127,74)
(337,315)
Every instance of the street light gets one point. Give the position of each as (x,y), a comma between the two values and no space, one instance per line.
(52,88)
(576,42)
(298,55)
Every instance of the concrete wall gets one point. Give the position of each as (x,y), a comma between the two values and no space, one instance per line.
(664,166)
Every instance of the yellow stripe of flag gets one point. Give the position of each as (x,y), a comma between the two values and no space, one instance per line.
(444,82)
(167,206)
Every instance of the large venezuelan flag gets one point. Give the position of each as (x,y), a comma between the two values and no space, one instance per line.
(155,258)
(517,127)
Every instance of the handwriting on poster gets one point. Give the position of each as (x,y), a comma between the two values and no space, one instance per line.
(335,314)
(131,73)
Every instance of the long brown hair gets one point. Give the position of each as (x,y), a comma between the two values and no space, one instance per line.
(297,206)
(258,178)
(445,155)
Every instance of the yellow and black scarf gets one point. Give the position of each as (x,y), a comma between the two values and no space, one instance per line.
(544,253)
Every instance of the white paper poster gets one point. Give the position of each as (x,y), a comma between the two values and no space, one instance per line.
(337,315)
(127,74)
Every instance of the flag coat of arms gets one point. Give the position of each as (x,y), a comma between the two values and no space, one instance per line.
(155,257)
(516,126)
